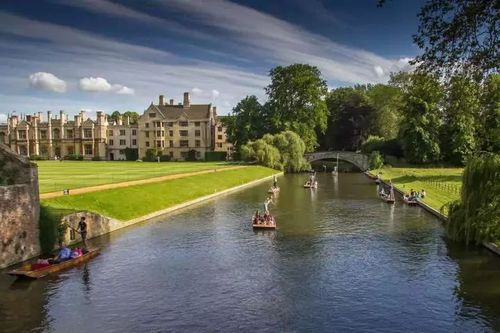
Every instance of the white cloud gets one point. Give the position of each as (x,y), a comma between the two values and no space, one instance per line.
(47,81)
(102,85)
(379,71)
(215,93)
(3,118)
(197,91)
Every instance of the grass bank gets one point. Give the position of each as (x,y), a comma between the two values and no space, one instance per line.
(56,176)
(135,201)
(441,184)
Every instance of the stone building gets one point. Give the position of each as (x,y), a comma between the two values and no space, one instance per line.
(174,130)
(220,137)
(19,208)
(57,137)
(120,136)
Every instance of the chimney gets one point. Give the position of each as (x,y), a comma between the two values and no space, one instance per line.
(49,117)
(82,116)
(160,100)
(120,121)
(28,118)
(215,111)
(171,101)
(40,117)
(77,121)
(61,115)
(186,100)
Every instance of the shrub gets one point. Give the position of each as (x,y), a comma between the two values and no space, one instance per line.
(164,158)
(38,158)
(131,154)
(215,156)
(385,147)
(51,230)
(376,160)
(97,158)
(151,155)
(74,157)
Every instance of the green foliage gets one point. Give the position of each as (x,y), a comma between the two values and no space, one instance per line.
(38,158)
(133,116)
(385,147)
(420,132)
(283,151)
(51,231)
(131,154)
(476,216)
(249,121)
(151,155)
(215,156)
(296,101)
(458,36)
(97,158)
(489,124)
(462,106)
(74,157)
(113,117)
(376,160)
(165,158)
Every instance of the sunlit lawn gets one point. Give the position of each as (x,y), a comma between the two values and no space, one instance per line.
(139,200)
(56,176)
(441,184)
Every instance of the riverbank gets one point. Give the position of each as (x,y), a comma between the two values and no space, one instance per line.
(140,200)
(55,176)
(442,185)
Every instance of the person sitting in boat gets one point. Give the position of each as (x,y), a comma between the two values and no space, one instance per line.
(256,218)
(63,255)
(77,252)
(382,193)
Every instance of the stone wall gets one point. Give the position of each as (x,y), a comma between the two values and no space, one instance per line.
(19,208)
(97,225)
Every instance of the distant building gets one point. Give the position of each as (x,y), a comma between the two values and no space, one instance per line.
(219,135)
(121,135)
(57,137)
(175,130)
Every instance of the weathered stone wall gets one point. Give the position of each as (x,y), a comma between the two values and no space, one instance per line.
(97,225)
(19,209)
(358,159)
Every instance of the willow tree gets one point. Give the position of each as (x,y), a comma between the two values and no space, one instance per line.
(475,217)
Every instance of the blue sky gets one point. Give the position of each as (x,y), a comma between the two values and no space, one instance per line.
(120,55)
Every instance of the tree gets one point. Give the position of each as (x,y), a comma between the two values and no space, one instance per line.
(133,116)
(462,105)
(489,125)
(249,121)
(420,132)
(113,117)
(458,36)
(262,152)
(386,101)
(476,216)
(296,99)
(350,118)
(376,160)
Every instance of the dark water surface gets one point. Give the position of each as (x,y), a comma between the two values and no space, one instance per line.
(341,260)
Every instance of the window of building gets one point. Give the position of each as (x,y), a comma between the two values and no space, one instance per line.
(219,137)
(134,142)
(55,133)
(171,143)
(122,132)
(43,134)
(183,133)
(158,124)
(134,132)
(87,133)
(171,133)
(158,143)
(146,125)
(152,115)
(23,150)
(197,143)
(22,135)
(184,143)
(69,134)
(88,150)
(198,155)
(197,123)
(197,133)
(111,142)
(184,154)
(147,134)
(110,132)
(171,154)
(70,150)
(183,123)
(158,133)
(219,144)
(147,143)
(219,128)
(123,142)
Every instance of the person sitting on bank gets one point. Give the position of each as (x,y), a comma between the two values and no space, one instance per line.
(422,194)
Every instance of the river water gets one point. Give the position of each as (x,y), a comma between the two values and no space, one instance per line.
(340,260)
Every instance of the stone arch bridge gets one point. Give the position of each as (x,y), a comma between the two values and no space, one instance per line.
(357,159)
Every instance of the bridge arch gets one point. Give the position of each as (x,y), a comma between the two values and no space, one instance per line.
(357,159)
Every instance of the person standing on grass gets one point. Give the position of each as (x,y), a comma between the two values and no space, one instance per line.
(82,229)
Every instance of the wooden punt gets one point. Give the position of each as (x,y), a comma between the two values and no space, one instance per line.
(410,202)
(387,199)
(264,226)
(307,185)
(273,190)
(26,272)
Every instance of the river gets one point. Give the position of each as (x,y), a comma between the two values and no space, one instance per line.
(340,260)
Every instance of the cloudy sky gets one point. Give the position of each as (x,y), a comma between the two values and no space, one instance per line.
(120,55)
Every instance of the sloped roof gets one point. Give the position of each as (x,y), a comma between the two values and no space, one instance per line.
(195,111)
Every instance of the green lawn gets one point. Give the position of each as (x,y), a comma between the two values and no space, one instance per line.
(134,201)
(56,176)
(441,184)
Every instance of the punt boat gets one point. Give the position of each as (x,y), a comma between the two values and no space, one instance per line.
(264,225)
